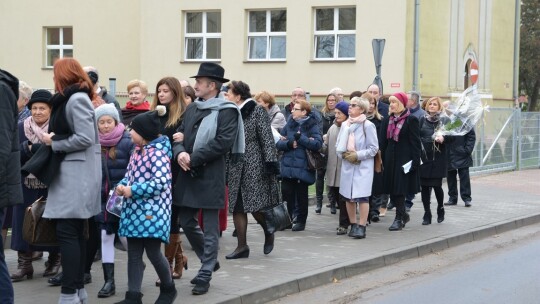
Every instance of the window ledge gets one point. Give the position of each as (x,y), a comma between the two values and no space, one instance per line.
(331,60)
(199,61)
(265,61)
(46,68)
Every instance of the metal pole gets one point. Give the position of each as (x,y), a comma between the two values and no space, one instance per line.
(112,86)
(416,38)
(517,23)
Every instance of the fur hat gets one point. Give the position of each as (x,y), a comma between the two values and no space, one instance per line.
(107,109)
(40,95)
(343,107)
(148,124)
(402,97)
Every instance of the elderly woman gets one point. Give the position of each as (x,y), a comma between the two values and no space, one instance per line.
(399,142)
(333,166)
(328,115)
(31,132)
(434,158)
(357,145)
(252,183)
(301,133)
(137,103)
(73,197)
(268,102)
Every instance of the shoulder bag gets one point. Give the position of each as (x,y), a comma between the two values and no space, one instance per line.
(38,230)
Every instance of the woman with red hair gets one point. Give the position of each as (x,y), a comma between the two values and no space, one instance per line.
(73,197)
(399,143)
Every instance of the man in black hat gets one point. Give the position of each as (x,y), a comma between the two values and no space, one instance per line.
(10,168)
(212,127)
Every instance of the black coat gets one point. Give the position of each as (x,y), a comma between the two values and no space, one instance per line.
(206,189)
(460,151)
(396,154)
(377,186)
(10,168)
(434,155)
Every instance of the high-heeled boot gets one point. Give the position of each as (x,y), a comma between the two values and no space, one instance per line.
(53,264)
(440,214)
(180,261)
(426,220)
(318,208)
(170,253)
(24,267)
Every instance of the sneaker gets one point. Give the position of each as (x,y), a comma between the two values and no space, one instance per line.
(468,204)
(341,230)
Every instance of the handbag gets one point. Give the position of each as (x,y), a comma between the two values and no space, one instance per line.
(315,160)
(38,230)
(115,203)
(277,217)
(378,162)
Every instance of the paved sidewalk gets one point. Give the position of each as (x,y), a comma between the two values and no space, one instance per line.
(302,260)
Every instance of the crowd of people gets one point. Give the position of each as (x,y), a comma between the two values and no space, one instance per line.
(195,151)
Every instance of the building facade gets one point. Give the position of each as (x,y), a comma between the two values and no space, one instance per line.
(273,45)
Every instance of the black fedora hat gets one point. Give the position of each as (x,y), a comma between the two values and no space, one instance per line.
(40,95)
(211,70)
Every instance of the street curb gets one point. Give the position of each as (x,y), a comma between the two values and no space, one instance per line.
(350,269)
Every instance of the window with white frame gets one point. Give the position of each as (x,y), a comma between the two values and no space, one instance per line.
(202,36)
(58,44)
(267,35)
(335,33)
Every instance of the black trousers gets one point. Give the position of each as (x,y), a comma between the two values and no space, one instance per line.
(319,185)
(70,235)
(335,197)
(295,193)
(464,185)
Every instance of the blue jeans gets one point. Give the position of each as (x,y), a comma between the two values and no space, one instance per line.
(6,289)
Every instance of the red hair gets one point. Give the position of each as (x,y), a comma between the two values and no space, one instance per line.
(68,71)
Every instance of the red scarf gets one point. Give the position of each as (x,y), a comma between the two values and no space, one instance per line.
(395,124)
(145,106)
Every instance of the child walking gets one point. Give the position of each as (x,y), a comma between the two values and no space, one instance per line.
(146,213)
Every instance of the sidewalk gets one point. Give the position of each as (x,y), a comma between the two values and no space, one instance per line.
(303,260)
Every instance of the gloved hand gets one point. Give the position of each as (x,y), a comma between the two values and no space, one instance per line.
(297,136)
(290,144)
(351,157)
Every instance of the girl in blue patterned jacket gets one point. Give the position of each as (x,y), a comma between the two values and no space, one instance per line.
(146,213)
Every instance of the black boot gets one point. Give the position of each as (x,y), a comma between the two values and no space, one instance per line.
(440,214)
(108,288)
(352,232)
(132,297)
(167,294)
(333,209)
(405,218)
(426,218)
(318,209)
(396,225)
(360,232)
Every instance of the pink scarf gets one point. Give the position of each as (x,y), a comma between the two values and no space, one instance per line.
(395,124)
(353,124)
(112,138)
(33,132)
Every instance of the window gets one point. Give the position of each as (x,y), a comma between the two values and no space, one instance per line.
(58,44)
(335,33)
(203,36)
(266,35)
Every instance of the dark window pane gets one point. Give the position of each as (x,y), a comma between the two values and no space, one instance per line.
(194,23)
(278,46)
(347,18)
(213,22)
(52,56)
(53,36)
(213,48)
(68,53)
(346,47)
(279,21)
(257,22)
(68,35)
(324,19)
(324,46)
(257,47)
(194,48)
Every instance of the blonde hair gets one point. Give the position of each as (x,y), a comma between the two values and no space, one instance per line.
(400,108)
(438,100)
(325,108)
(138,83)
(362,103)
(371,99)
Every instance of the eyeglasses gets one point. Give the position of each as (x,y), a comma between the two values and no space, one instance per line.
(352,105)
(296,109)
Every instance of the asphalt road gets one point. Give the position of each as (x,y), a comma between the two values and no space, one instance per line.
(501,269)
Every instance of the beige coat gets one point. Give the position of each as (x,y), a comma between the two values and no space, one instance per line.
(333,166)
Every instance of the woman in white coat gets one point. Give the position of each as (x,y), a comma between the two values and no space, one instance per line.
(357,145)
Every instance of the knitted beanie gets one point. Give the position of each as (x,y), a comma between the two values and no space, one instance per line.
(107,109)
(343,107)
(147,124)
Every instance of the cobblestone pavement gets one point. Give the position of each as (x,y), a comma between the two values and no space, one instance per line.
(302,260)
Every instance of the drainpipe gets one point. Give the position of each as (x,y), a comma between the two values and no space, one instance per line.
(516,49)
(416,38)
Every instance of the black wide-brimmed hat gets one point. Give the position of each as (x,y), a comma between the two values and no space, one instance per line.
(211,70)
(40,95)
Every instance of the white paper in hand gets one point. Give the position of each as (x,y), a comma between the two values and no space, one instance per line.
(407,167)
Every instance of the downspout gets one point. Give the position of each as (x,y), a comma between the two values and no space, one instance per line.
(416,38)
(517,25)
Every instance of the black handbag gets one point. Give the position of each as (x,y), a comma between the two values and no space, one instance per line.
(277,217)
(38,230)
(315,160)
